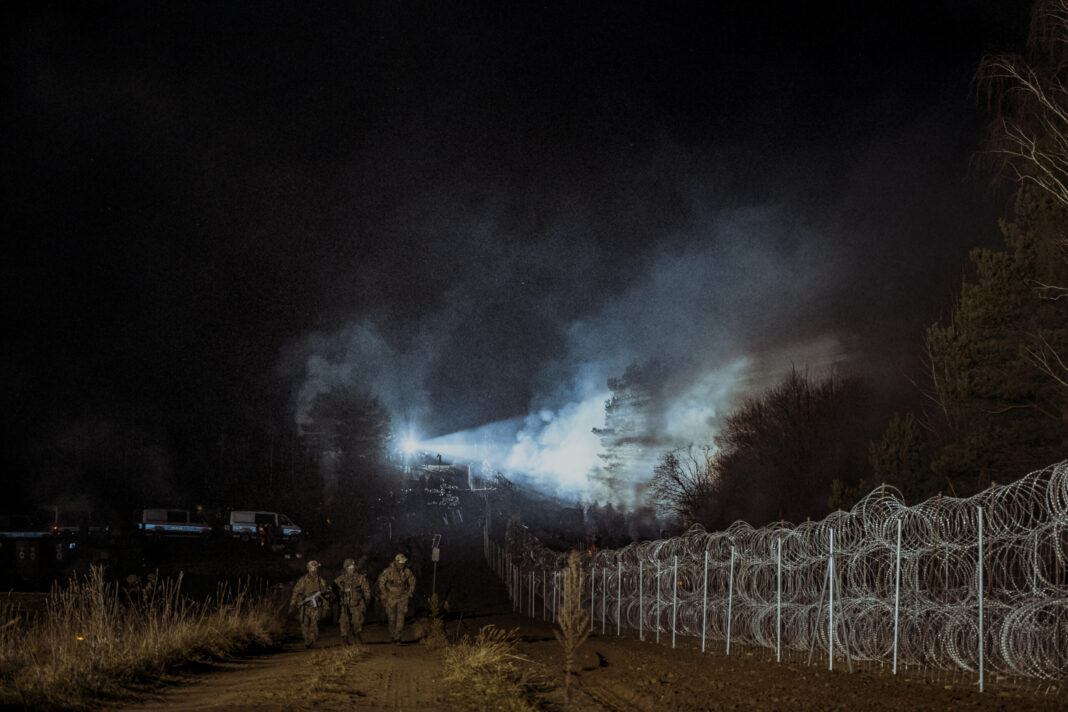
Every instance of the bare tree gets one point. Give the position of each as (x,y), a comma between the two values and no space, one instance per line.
(1029,97)
(780,451)
(683,483)
(1028,139)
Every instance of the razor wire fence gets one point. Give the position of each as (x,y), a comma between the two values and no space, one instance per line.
(978,584)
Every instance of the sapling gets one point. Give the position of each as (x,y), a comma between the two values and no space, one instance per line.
(573,619)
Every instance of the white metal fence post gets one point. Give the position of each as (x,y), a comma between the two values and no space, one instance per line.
(981,641)
(830,605)
(778,602)
(704,608)
(555,575)
(604,594)
(674,600)
(658,601)
(897,591)
(730,602)
(593,584)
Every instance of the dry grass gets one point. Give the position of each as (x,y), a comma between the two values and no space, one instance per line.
(487,673)
(93,643)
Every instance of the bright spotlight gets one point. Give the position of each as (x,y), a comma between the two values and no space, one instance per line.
(409,446)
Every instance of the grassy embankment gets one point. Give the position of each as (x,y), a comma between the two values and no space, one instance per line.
(94,643)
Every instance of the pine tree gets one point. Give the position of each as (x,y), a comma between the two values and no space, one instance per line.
(996,413)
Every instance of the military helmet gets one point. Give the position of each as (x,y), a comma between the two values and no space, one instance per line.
(400,559)
(312,564)
(348,563)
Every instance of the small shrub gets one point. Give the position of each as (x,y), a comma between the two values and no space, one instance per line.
(435,635)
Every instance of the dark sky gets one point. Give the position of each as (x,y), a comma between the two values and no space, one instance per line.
(477,210)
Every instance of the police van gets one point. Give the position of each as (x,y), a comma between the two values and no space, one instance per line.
(247,524)
(174,522)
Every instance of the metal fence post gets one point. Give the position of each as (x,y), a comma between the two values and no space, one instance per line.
(658,601)
(593,584)
(981,641)
(778,602)
(897,592)
(730,602)
(619,594)
(830,605)
(555,575)
(674,600)
(604,595)
(704,608)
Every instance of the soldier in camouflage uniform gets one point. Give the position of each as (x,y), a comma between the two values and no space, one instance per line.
(353,593)
(395,586)
(309,595)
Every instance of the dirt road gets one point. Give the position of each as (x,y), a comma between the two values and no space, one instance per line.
(617,673)
(375,676)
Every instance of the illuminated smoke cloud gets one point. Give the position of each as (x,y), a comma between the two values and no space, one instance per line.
(726,312)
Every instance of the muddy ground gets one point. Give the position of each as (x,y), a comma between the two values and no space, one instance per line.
(618,673)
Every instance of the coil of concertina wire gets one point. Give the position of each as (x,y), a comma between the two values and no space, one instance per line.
(1024,584)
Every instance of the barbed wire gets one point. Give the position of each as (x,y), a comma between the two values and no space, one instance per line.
(773,586)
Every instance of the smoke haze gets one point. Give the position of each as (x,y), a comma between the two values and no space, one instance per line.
(723,309)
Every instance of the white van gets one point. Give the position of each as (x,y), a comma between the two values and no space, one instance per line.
(247,524)
(173,522)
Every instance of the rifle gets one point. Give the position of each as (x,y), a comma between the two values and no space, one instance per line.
(312,600)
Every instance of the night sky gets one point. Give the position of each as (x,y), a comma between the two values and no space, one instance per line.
(476,211)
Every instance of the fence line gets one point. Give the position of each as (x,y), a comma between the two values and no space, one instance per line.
(977,585)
